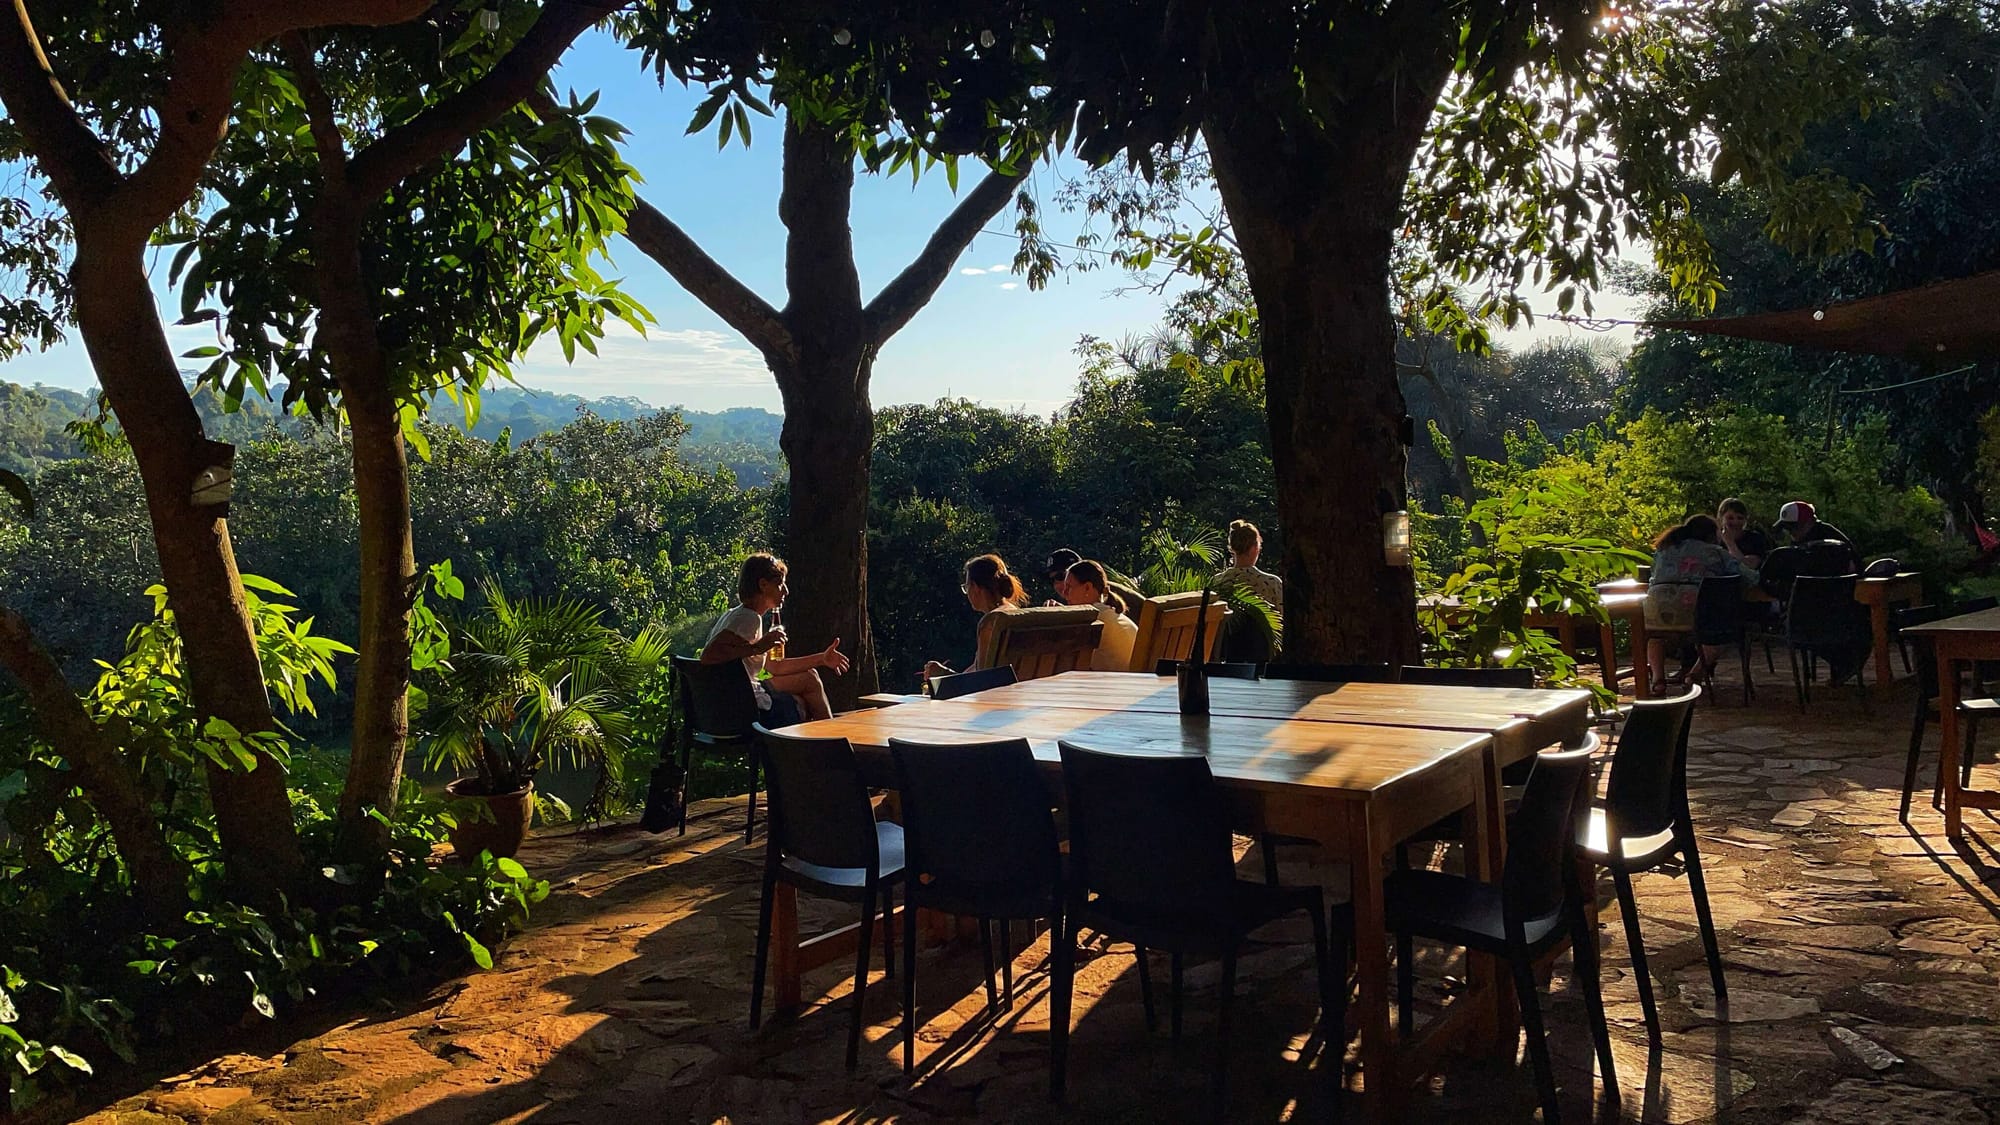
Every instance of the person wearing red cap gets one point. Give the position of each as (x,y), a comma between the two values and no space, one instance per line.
(1800,520)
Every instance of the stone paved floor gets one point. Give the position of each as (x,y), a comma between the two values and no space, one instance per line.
(1861,958)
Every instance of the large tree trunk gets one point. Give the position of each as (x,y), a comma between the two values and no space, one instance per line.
(347,329)
(827,439)
(1337,424)
(388,583)
(128,347)
(1316,227)
(829,423)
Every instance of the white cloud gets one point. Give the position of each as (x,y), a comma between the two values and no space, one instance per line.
(971,271)
(627,363)
(1010,285)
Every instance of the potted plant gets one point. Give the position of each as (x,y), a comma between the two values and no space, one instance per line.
(525,684)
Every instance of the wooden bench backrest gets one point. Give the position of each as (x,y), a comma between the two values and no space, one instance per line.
(1166,629)
(1040,641)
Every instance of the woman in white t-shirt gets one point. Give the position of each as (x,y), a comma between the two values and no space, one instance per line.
(793,690)
(1088,585)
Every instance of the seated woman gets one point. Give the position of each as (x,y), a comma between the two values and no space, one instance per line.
(1682,557)
(793,693)
(1089,586)
(1246,543)
(988,586)
(1744,543)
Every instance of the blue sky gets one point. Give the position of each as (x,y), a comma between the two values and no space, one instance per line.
(985,336)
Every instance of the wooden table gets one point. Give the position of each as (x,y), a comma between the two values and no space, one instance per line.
(1970,636)
(1878,594)
(1619,605)
(1356,767)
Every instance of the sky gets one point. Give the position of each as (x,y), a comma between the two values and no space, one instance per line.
(985,335)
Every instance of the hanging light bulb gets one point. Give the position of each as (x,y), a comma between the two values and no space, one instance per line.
(843,37)
(489,20)
(986,39)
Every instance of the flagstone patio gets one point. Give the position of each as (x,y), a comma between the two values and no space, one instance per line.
(1861,957)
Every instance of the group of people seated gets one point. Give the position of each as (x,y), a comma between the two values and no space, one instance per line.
(788,689)
(1726,544)
(1078,581)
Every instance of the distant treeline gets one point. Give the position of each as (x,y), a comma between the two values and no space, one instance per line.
(743,439)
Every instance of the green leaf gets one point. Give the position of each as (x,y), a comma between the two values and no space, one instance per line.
(511,868)
(70,1058)
(481,956)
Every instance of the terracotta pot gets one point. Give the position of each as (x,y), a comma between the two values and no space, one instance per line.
(504,834)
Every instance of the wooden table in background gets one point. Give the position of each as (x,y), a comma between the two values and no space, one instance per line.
(1356,767)
(1970,636)
(1878,594)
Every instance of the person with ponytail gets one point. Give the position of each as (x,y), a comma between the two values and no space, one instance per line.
(988,586)
(1088,585)
(1245,544)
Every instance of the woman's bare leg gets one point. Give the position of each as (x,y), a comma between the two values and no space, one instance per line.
(1656,660)
(811,693)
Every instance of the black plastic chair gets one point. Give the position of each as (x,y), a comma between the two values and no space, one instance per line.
(1151,863)
(1333,673)
(981,841)
(1216,670)
(1970,711)
(824,839)
(965,683)
(1822,618)
(1468,677)
(1644,822)
(1535,905)
(718,710)
(1719,621)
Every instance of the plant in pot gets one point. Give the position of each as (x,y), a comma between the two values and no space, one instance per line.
(527,684)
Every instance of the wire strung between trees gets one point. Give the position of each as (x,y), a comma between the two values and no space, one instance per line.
(1912,382)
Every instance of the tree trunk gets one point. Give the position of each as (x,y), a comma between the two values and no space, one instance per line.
(1315,200)
(827,439)
(388,585)
(347,329)
(829,424)
(128,348)
(107,780)
(1337,424)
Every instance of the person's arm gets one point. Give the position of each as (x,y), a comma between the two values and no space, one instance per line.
(831,659)
(727,646)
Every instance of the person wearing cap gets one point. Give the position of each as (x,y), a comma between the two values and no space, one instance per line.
(1800,521)
(1057,568)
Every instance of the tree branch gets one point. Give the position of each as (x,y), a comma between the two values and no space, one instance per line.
(912,289)
(330,150)
(205,58)
(105,777)
(661,240)
(69,153)
(450,123)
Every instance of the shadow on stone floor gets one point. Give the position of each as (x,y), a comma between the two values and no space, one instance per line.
(1860,954)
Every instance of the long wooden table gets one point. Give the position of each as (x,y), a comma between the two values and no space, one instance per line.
(1355,767)
(1967,637)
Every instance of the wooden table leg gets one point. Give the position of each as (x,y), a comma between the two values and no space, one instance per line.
(1948,734)
(1485,853)
(1642,672)
(1607,654)
(1381,1090)
(786,994)
(1885,674)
